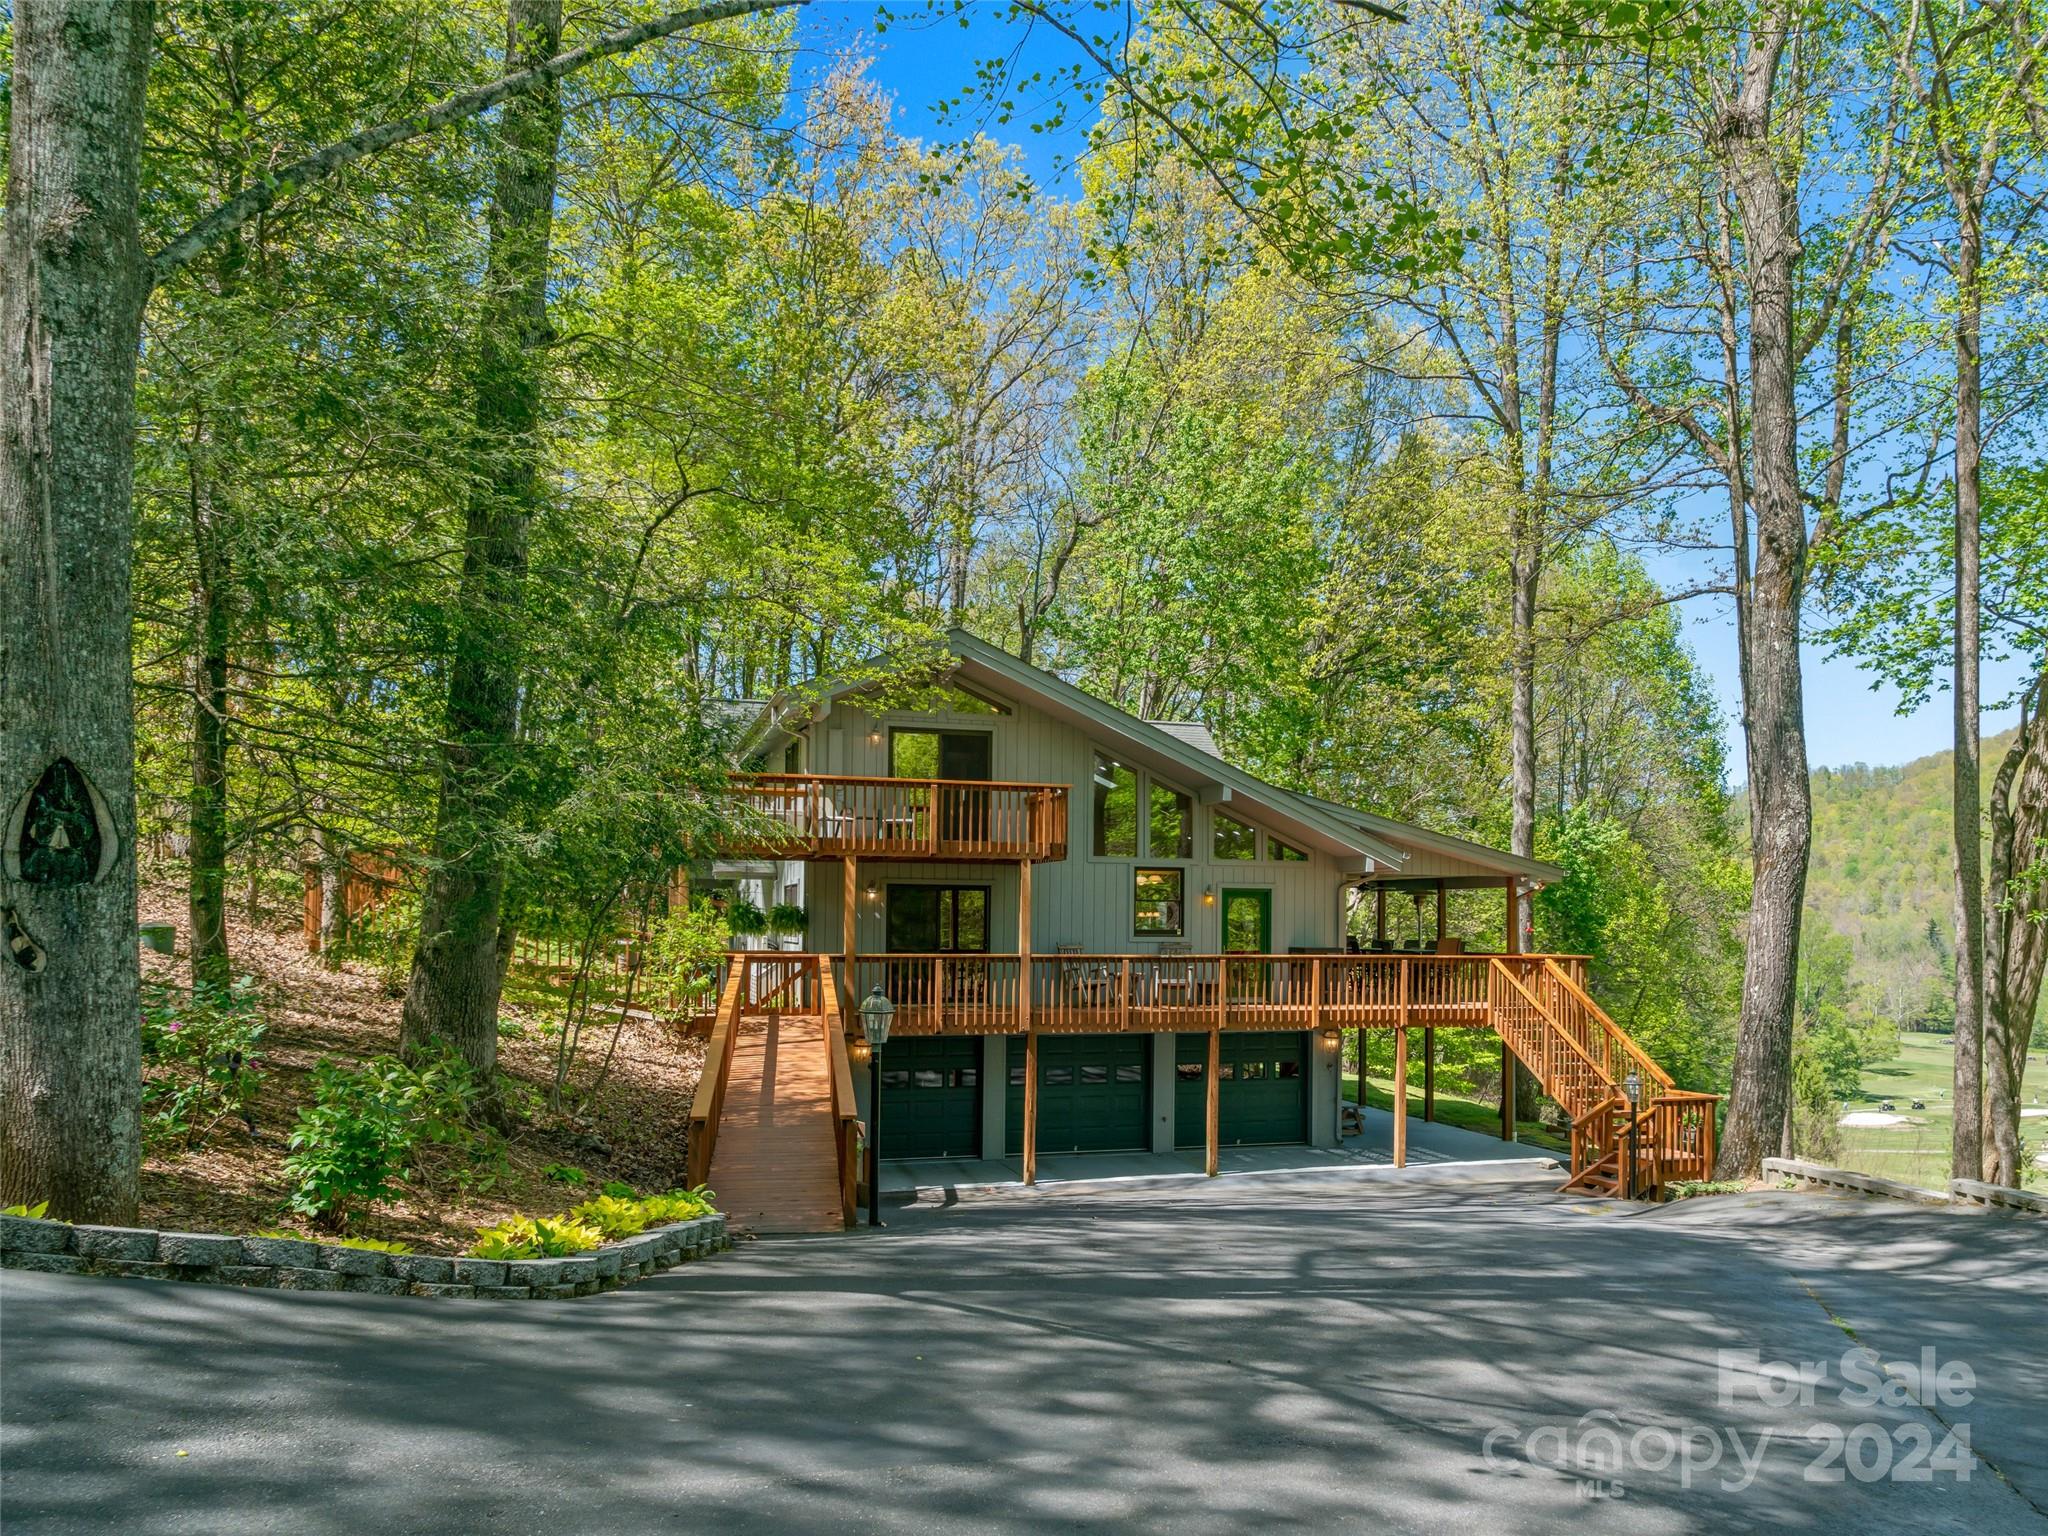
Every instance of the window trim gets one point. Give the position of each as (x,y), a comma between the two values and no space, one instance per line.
(1139,870)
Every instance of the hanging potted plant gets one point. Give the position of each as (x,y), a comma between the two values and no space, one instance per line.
(746,920)
(787,919)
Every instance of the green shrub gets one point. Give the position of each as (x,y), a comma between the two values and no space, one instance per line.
(677,1205)
(535,1237)
(373,1244)
(355,1144)
(199,1059)
(620,1191)
(563,1173)
(614,1217)
(34,1212)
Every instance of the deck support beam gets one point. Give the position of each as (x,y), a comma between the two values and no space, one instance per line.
(1441,914)
(1513,946)
(1212,1107)
(849,924)
(1400,1098)
(1507,1091)
(1030,1024)
(1379,917)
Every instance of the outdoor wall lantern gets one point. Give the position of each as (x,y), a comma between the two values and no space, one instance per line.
(875,1013)
(1208,895)
(1331,1037)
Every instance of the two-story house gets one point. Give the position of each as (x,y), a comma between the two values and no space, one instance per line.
(1100,935)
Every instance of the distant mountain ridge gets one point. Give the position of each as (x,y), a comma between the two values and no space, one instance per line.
(1881,876)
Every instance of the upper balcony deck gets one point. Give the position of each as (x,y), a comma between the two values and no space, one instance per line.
(826,816)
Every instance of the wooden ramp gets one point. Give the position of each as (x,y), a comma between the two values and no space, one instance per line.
(775,1165)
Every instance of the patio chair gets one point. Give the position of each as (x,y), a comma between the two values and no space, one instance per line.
(1085,981)
(1173,978)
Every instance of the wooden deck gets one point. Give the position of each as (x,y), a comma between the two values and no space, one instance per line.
(827,816)
(1115,994)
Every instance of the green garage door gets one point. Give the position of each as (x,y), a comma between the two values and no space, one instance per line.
(931,1098)
(1092,1093)
(1264,1097)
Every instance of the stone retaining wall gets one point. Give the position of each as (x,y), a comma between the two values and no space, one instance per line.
(299,1264)
(1966,1191)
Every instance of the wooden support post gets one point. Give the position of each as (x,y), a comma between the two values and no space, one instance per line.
(1029,1021)
(1400,1098)
(1213,1104)
(1440,910)
(850,926)
(1428,1072)
(1031,1107)
(1379,915)
(1361,1077)
(1507,1091)
(1508,1065)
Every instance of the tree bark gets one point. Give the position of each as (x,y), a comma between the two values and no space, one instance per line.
(454,989)
(70,323)
(2018,931)
(334,914)
(207,815)
(1774,726)
(1966,1147)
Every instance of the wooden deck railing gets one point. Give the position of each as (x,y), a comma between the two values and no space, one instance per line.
(820,816)
(709,1101)
(845,1112)
(1106,993)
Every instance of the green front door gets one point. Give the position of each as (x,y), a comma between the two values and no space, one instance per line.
(1092,1093)
(931,1097)
(1263,1091)
(1248,930)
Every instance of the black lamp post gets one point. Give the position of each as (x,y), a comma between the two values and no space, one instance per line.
(875,1013)
(1632,1085)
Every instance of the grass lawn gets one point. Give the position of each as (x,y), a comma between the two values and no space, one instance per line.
(1463,1114)
(1918,1152)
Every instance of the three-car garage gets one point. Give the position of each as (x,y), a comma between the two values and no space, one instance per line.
(1096,1093)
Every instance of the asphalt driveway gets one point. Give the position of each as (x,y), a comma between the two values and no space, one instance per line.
(1456,1351)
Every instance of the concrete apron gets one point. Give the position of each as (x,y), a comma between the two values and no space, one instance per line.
(1431,1147)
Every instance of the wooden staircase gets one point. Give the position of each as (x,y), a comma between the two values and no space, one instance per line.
(771,1129)
(1583,1059)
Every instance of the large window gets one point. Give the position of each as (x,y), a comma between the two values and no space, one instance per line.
(1116,809)
(942,919)
(1235,839)
(1157,907)
(1172,823)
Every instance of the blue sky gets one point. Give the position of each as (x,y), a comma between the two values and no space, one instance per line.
(1851,716)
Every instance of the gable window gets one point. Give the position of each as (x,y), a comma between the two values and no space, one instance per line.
(1156,907)
(1172,823)
(1286,853)
(1116,809)
(1234,839)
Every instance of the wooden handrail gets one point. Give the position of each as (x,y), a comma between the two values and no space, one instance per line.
(846,1112)
(1543,1013)
(709,1100)
(1635,1052)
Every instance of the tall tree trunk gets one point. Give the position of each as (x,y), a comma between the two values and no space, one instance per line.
(1774,713)
(454,989)
(334,914)
(2019,931)
(1966,1147)
(207,816)
(70,322)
